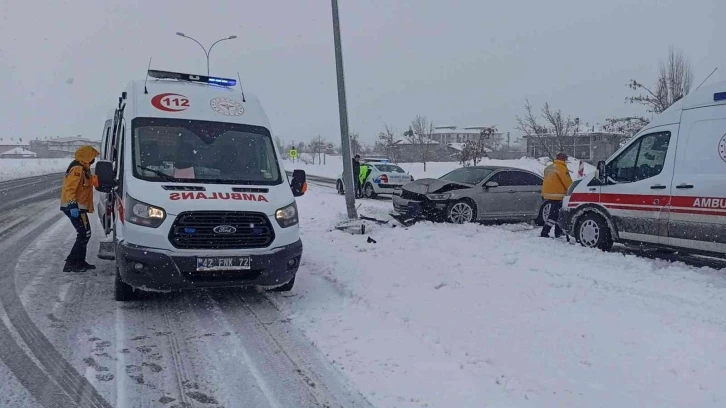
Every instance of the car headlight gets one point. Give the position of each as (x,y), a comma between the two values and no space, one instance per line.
(287,216)
(438,197)
(573,186)
(143,214)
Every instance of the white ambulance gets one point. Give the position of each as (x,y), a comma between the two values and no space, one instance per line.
(666,187)
(200,196)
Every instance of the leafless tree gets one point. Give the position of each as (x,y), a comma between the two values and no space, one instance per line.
(387,142)
(674,81)
(419,135)
(355,145)
(554,136)
(317,147)
(474,151)
(628,126)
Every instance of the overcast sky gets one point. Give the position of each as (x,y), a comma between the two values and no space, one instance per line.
(458,62)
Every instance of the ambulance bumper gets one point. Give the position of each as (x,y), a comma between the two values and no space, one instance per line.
(155,270)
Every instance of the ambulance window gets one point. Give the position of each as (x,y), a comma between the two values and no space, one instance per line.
(641,160)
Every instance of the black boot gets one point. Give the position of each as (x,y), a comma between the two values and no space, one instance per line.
(87,266)
(545,232)
(73,267)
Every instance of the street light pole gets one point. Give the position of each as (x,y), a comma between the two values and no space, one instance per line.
(206,52)
(348,176)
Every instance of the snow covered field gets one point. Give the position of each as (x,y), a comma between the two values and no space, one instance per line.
(333,167)
(19,168)
(439,315)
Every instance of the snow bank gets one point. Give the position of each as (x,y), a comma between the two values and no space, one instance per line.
(19,168)
(440,315)
(333,167)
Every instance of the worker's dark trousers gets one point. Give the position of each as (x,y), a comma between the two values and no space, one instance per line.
(358,190)
(552,219)
(83,235)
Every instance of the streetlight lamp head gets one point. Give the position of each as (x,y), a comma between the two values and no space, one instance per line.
(180,34)
(232,37)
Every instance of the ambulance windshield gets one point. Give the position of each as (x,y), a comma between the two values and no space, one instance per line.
(180,150)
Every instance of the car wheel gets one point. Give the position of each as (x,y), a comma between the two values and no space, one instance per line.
(461,212)
(339,187)
(593,231)
(368,191)
(544,213)
(286,287)
(122,291)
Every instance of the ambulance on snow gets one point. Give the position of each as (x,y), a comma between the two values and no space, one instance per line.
(666,187)
(194,190)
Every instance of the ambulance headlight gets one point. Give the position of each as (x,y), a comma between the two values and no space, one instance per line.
(143,214)
(287,216)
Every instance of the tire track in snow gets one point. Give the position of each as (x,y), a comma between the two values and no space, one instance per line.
(276,348)
(57,369)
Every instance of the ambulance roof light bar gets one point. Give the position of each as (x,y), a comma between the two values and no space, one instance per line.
(192,78)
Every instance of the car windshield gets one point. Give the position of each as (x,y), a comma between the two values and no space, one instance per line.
(180,150)
(468,175)
(389,168)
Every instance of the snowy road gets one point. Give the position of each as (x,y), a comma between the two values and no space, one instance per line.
(66,343)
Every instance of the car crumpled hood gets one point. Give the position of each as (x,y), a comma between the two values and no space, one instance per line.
(429,185)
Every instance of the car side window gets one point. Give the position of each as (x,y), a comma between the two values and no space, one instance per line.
(525,179)
(641,160)
(503,178)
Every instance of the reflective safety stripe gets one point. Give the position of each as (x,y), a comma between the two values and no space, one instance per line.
(80,206)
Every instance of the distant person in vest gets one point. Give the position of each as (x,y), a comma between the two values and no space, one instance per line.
(557,181)
(76,203)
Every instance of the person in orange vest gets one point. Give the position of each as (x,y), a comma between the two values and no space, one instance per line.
(76,203)
(557,181)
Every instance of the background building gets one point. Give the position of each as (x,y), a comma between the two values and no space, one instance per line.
(590,145)
(61,147)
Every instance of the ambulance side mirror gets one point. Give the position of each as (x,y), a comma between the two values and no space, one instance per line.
(298,184)
(601,172)
(105,176)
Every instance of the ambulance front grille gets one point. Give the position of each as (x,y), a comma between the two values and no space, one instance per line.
(195,230)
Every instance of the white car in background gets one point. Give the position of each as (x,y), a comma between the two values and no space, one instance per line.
(383,178)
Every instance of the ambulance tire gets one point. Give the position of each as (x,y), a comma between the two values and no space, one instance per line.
(369,192)
(286,287)
(122,291)
(339,187)
(593,231)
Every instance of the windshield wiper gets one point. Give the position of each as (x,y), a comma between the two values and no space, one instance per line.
(158,173)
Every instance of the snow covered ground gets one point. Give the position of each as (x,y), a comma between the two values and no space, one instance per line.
(19,168)
(439,315)
(333,167)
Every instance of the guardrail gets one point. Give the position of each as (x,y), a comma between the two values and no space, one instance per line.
(317,179)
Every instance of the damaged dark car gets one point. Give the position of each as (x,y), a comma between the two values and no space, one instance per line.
(474,194)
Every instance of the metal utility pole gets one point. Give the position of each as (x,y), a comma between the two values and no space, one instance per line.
(206,52)
(348,180)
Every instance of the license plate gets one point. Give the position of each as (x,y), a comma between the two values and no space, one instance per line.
(226,263)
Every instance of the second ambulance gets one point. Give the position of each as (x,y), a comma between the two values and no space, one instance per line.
(665,188)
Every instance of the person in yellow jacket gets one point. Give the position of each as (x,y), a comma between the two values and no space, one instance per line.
(557,181)
(76,203)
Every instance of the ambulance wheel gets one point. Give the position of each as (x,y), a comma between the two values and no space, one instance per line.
(461,212)
(286,287)
(544,212)
(339,187)
(123,292)
(368,191)
(592,231)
